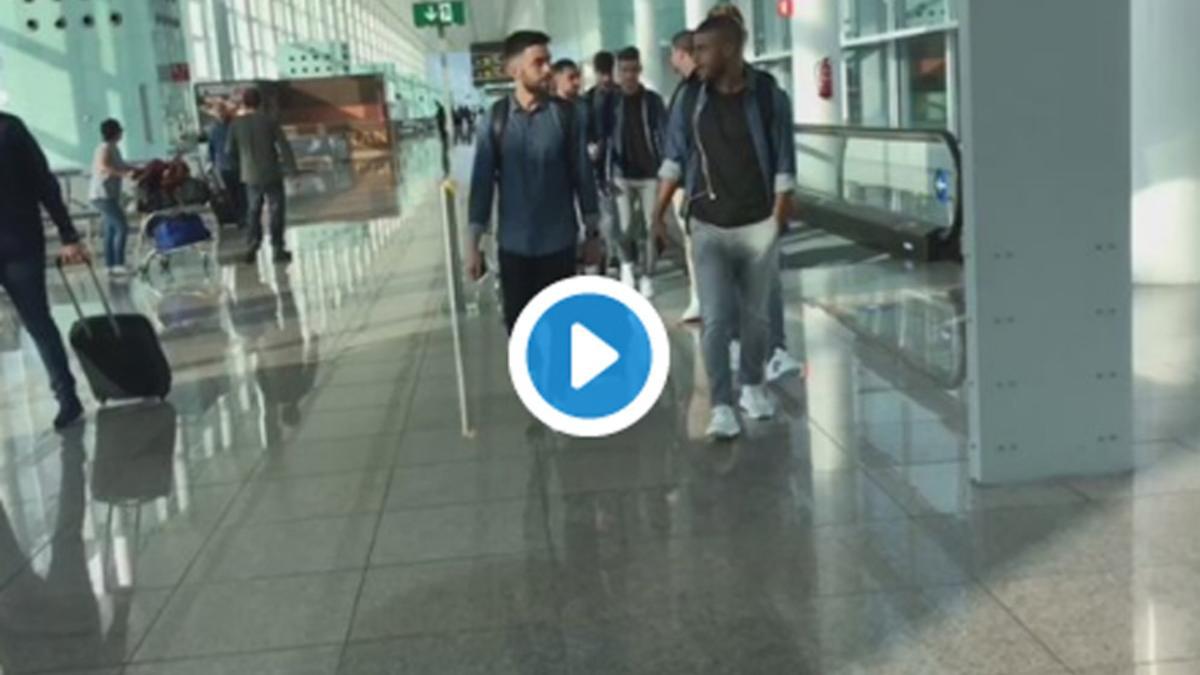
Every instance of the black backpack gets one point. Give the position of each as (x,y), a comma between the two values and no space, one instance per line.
(566,115)
(764,90)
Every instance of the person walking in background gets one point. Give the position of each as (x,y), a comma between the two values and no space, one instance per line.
(224,163)
(568,84)
(601,103)
(440,118)
(568,81)
(737,206)
(263,156)
(534,148)
(685,67)
(108,172)
(27,186)
(635,153)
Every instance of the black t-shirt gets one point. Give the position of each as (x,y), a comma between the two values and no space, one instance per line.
(635,146)
(742,196)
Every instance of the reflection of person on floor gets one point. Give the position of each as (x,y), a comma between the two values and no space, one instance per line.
(287,360)
(38,613)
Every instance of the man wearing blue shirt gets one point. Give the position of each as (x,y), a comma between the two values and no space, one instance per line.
(27,186)
(534,148)
(225,163)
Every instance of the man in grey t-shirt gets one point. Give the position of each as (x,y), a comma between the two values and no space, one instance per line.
(264,156)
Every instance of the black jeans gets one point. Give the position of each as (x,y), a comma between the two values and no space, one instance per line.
(25,282)
(272,196)
(236,190)
(523,277)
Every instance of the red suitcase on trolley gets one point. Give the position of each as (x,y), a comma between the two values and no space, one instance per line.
(120,353)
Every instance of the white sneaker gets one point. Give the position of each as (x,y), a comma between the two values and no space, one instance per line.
(724,424)
(118,271)
(627,277)
(646,286)
(757,402)
(692,313)
(735,354)
(782,365)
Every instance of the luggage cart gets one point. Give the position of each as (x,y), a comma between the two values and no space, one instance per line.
(188,229)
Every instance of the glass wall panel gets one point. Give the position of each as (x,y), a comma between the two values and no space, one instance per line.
(868,102)
(916,13)
(861,18)
(772,33)
(923,82)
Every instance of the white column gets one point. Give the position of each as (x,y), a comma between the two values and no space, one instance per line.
(222,42)
(695,11)
(815,29)
(646,34)
(1166,142)
(1046,136)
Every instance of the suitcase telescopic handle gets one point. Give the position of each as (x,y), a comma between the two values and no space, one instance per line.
(75,299)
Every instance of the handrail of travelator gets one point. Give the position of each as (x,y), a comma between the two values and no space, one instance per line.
(953,235)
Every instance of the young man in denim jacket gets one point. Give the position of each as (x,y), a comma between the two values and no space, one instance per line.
(731,142)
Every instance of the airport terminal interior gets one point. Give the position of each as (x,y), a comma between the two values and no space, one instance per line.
(988,464)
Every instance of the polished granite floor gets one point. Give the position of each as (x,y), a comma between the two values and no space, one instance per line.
(316,499)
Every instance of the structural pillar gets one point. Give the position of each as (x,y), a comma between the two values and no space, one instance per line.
(695,11)
(1166,142)
(646,33)
(222,44)
(815,37)
(1046,136)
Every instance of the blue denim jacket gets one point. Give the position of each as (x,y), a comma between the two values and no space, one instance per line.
(687,160)
(538,192)
(654,118)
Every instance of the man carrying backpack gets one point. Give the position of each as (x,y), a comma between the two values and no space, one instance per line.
(730,140)
(601,102)
(534,148)
(635,146)
(781,363)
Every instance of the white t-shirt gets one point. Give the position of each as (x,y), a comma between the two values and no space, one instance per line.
(106,184)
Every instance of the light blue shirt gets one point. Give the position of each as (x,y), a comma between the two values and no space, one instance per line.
(539,184)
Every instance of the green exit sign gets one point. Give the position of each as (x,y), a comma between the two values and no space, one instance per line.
(438,14)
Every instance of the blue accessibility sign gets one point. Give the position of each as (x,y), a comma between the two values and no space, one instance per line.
(942,187)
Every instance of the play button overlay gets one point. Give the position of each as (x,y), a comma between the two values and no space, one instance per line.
(589,357)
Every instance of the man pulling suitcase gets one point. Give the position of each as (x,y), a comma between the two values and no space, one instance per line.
(26,186)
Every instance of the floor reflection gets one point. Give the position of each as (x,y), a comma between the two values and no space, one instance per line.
(307,503)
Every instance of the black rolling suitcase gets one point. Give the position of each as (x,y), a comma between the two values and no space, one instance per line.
(120,353)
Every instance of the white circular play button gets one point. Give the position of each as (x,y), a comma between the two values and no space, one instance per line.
(589,356)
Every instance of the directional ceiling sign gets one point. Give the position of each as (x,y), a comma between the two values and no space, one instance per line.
(439,14)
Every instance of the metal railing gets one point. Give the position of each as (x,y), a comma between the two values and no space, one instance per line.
(454,268)
(894,190)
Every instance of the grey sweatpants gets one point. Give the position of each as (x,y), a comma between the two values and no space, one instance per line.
(735,269)
(636,196)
